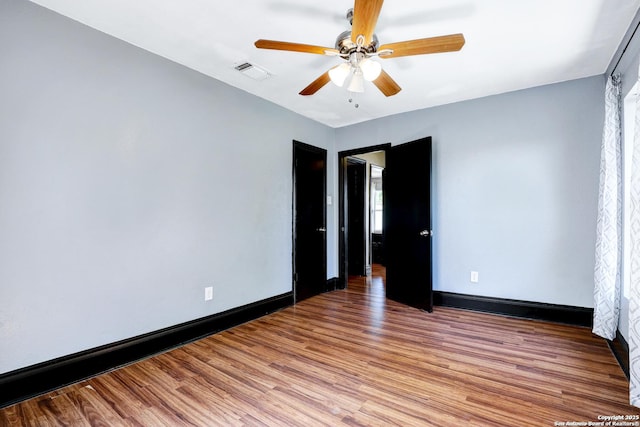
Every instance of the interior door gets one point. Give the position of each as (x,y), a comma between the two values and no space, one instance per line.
(407,223)
(309,221)
(356,225)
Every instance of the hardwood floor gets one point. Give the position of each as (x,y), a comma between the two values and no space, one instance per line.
(351,357)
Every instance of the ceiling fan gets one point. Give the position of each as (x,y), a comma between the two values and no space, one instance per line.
(358,46)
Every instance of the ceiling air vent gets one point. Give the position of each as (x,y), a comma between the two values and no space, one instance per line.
(253,71)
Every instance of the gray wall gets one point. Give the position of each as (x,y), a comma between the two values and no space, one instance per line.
(128,183)
(514,189)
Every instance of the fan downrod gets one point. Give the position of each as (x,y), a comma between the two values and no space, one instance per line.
(350,16)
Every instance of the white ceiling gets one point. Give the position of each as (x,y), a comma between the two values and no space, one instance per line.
(510,45)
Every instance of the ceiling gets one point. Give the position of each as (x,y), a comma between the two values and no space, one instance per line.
(510,45)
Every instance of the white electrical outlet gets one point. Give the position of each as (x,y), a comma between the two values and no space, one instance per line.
(474,277)
(208,293)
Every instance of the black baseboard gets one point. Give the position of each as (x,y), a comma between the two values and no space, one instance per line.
(620,350)
(567,314)
(37,379)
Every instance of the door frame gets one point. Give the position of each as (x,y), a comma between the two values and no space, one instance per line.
(297,145)
(343,267)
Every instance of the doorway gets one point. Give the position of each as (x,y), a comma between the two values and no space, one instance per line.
(356,237)
(404,241)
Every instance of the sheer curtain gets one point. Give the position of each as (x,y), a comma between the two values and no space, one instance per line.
(634,285)
(607,273)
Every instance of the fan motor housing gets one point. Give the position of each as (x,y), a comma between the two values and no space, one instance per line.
(346,46)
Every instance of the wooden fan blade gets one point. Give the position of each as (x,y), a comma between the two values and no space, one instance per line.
(450,43)
(294,47)
(316,85)
(386,84)
(365,17)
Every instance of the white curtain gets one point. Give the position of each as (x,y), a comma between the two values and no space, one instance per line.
(607,274)
(634,288)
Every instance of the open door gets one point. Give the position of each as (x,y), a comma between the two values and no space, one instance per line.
(309,221)
(356,211)
(407,224)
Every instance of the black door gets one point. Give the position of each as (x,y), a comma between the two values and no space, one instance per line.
(356,226)
(309,220)
(407,223)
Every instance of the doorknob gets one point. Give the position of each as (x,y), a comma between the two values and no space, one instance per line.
(321,229)
(426,233)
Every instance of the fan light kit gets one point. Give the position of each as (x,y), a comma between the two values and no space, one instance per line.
(357,48)
(358,66)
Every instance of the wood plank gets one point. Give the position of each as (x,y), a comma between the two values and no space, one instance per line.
(351,357)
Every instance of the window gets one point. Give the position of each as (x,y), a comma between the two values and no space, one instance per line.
(376,199)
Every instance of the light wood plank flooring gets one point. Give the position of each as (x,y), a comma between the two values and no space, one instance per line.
(353,358)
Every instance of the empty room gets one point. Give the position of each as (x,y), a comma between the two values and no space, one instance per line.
(319,213)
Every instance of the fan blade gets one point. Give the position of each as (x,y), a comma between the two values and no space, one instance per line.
(365,17)
(295,47)
(316,85)
(450,43)
(386,84)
